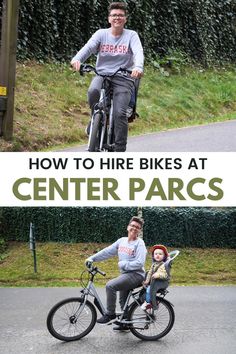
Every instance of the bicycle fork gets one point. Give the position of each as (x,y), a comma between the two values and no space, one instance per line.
(100,109)
(111,123)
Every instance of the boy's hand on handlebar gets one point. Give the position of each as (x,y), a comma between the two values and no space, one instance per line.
(136,74)
(76,65)
(88,262)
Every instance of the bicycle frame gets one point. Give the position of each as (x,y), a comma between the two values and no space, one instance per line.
(147,315)
(73,318)
(91,290)
(105,110)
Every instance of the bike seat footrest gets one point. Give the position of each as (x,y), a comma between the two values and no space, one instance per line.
(162,291)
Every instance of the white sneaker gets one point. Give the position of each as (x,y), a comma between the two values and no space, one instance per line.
(145,305)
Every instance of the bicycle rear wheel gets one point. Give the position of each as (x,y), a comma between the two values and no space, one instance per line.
(151,325)
(68,321)
(94,138)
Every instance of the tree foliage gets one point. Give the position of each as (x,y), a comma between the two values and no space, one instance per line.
(203,29)
(174,227)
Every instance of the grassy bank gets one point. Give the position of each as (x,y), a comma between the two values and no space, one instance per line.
(62,264)
(51,108)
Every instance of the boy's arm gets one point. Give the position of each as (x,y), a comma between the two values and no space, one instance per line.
(139,260)
(91,47)
(106,253)
(137,49)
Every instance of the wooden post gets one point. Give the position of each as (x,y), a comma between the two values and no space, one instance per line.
(10,13)
(33,245)
(140,214)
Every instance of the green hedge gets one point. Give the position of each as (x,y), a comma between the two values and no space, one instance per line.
(175,227)
(56,29)
(191,227)
(3,245)
(67,224)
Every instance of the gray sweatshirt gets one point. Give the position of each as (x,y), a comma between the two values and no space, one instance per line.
(113,52)
(132,255)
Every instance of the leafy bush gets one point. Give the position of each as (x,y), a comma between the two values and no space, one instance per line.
(175,227)
(191,227)
(3,246)
(67,224)
(56,29)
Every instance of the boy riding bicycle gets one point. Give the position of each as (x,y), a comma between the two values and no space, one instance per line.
(115,47)
(131,252)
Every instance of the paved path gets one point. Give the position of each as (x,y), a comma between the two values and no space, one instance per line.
(210,137)
(205,323)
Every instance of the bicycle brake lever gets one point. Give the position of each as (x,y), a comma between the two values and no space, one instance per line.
(89,264)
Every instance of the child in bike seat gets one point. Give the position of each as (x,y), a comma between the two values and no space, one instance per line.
(157,277)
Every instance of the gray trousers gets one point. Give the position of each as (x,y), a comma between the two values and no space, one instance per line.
(122,90)
(123,284)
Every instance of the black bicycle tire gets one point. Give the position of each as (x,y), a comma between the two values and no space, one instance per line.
(94,138)
(53,310)
(134,305)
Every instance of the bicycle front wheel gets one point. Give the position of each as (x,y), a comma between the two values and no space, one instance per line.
(94,138)
(71,319)
(151,325)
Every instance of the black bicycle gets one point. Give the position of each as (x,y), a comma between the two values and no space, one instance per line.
(101,127)
(73,318)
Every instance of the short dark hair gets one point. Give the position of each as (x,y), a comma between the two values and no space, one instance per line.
(138,220)
(119,6)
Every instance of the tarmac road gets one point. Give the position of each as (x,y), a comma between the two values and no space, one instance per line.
(205,323)
(203,138)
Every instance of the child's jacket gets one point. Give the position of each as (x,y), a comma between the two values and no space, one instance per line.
(160,269)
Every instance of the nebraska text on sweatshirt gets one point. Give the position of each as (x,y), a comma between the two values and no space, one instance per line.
(131,254)
(113,52)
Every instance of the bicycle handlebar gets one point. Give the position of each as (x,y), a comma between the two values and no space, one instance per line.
(95,270)
(86,68)
(100,271)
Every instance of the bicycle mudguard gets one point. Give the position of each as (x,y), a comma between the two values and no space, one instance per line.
(161,298)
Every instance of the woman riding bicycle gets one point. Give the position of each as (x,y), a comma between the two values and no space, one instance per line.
(115,47)
(131,251)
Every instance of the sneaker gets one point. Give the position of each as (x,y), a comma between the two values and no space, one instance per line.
(145,306)
(121,327)
(106,319)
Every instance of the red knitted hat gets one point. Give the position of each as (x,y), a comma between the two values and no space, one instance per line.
(161,247)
